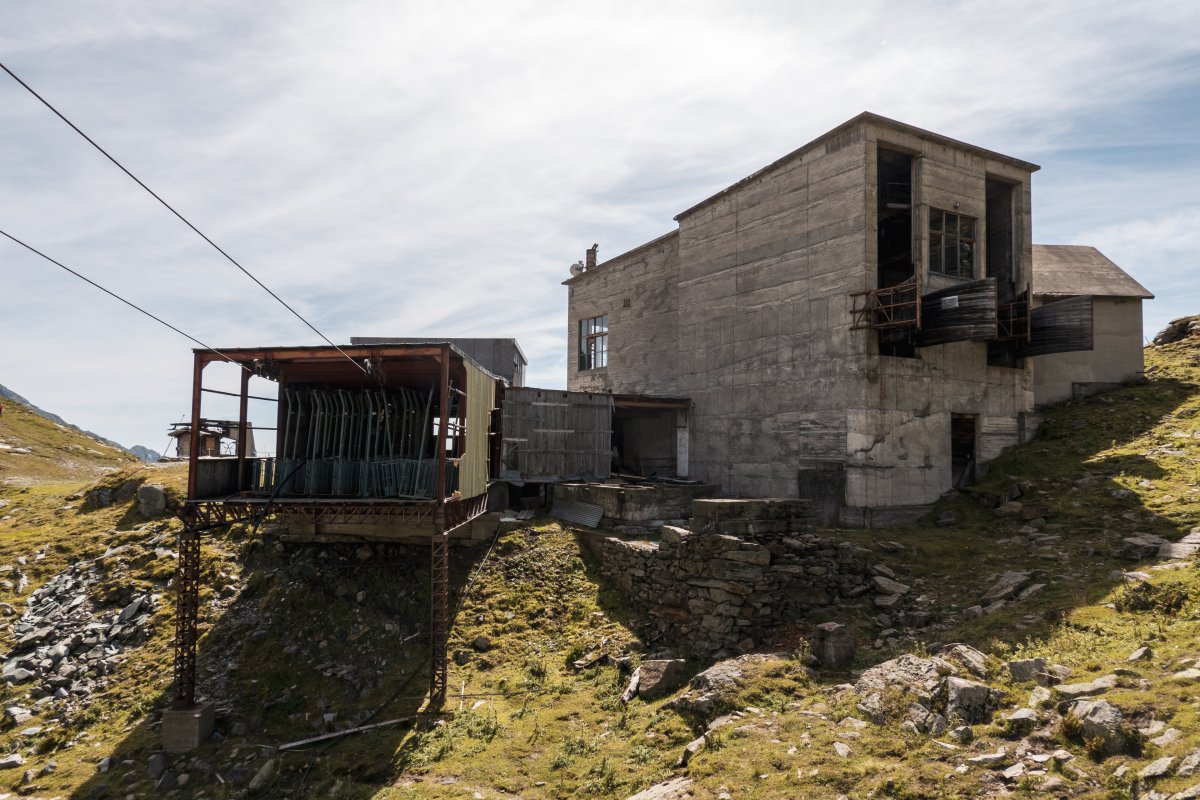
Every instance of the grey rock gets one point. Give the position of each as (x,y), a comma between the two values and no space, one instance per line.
(1026,669)
(660,677)
(1141,654)
(962,734)
(263,776)
(833,645)
(1014,772)
(1157,769)
(1074,691)
(1022,721)
(966,700)
(152,499)
(1100,719)
(678,788)
(990,759)
(885,585)
(888,600)
(156,766)
(482,643)
(1189,765)
(974,661)
(11,761)
(692,747)
(167,781)
(842,749)
(631,689)
(1190,793)
(130,610)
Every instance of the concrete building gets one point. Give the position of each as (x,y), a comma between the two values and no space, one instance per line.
(850,323)
(1064,271)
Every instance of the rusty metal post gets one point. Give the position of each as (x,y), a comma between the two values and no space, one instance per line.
(187,569)
(243,405)
(194,447)
(439,597)
(187,608)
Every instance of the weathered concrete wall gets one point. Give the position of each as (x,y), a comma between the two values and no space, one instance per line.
(643,337)
(765,276)
(1117,357)
(708,592)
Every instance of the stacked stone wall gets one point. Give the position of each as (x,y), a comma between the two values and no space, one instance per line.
(708,592)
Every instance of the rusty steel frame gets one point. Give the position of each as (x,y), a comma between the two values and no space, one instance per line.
(1014,320)
(445,514)
(881,308)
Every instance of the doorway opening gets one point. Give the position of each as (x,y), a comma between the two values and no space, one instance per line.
(963,449)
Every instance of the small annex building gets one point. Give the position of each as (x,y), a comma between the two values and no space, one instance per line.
(1063,271)
(853,323)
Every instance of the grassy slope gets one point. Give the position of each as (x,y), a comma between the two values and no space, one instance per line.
(59,454)
(277,617)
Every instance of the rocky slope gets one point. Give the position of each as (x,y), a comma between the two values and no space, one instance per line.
(1039,636)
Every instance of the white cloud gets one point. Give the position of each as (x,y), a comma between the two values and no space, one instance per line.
(420,169)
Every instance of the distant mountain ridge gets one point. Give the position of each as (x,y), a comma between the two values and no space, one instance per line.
(9,394)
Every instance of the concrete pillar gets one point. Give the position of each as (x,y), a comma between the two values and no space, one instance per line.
(681,442)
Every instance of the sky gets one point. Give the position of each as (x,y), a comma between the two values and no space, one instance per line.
(412,169)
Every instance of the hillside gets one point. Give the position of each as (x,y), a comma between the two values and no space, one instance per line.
(11,396)
(38,448)
(306,639)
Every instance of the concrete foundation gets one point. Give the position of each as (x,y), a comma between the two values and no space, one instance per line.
(187,729)
(630,507)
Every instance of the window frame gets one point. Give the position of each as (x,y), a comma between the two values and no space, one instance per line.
(949,239)
(593,343)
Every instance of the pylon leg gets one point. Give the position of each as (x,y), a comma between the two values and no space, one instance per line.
(187,608)
(440,618)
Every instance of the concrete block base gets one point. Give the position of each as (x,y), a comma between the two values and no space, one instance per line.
(187,729)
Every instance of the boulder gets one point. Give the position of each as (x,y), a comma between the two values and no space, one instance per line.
(660,677)
(1101,720)
(974,661)
(152,499)
(1026,669)
(965,700)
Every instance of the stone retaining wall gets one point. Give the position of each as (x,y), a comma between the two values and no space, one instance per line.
(707,592)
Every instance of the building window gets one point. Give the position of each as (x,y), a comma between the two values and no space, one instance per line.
(593,342)
(951,244)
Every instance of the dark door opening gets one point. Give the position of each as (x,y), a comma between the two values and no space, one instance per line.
(962,449)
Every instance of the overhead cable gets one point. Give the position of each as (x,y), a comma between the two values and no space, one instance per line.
(122,299)
(171,208)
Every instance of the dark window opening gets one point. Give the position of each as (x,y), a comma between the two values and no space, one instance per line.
(962,449)
(895,226)
(1001,261)
(593,342)
(951,244)
(894,252)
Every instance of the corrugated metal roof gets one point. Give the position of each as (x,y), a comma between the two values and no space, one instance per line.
(574,511)
(1067,269)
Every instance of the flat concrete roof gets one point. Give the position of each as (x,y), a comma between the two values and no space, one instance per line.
(1070,269)
(875,119)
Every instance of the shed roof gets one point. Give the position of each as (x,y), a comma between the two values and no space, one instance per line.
(1069,269)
